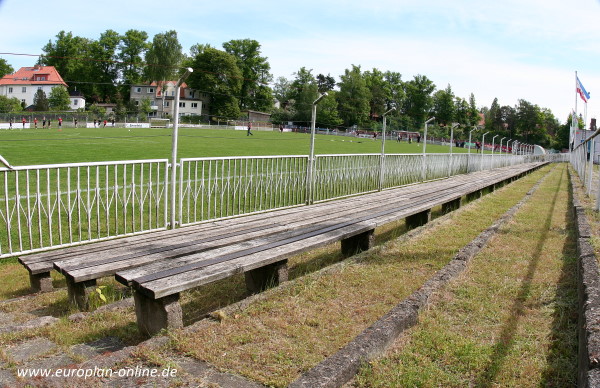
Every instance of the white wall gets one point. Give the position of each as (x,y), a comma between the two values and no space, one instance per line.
(28,95)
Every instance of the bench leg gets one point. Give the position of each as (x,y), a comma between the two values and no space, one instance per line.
(41,282)
(451,206)
(153,315)
(418,219)
(79,293)
(474,195)
(360,242)
(271,275)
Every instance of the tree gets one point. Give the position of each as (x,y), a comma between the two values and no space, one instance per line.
(418,101)
(67,56)
(462,112)
(325,83)
(164,57)
(133,45)
(493,118)
(561,139)
(303,92)
(282,90)
(395,91)
(255,93)
(59,98)
(103,70)
(145,107)
(473,112)
(379,92)
(443,106)
(198,48)
(40,101)
(216,73)
(353,97)
(5,68)
(8,105)
(327,111)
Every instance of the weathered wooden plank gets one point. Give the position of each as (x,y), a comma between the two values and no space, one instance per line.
(154,252)
(191,279)
(159,269)
(201,271)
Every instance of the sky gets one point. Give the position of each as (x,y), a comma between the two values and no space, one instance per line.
(505,49)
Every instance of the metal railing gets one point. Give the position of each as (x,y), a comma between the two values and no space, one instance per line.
(582,161)
(51,206)
(48,206)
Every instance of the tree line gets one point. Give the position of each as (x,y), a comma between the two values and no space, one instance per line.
(238,77)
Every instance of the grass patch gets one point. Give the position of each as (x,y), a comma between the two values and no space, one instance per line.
(295,327)
(510,320)
(73,145)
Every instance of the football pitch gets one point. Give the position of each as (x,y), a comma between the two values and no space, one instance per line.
(72,145)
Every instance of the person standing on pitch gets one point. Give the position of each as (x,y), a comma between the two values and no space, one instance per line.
(249,128)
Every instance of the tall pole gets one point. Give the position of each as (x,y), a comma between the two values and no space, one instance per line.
(382,159)
(493,144)
(311,156)
(482,148)
(188,71)
(450,165)
(507,147)
(424,167)
(501,161)
(469,151)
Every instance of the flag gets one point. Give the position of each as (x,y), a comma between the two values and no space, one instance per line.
(582,92)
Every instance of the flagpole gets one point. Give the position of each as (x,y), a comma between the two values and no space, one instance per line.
(573,129)
(576,92)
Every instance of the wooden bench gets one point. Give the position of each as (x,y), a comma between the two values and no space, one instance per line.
(160,265)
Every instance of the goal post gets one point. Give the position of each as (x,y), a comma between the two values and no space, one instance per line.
(159,123)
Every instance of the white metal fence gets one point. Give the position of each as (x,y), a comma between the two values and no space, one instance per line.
(583,162)
(50,206)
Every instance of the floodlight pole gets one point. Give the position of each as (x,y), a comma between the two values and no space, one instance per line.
(188,71)
(311,156)
(450,165)
(493,144)
(424,168)
(382,160)
(501,161)
(469,151)
(482,148)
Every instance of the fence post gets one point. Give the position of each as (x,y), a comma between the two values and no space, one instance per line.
(311,156)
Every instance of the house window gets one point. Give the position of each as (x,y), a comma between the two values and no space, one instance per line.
(166,103)
(10,90)
(137,103)
(182,104)
(39,88)
(194,105)
(74,102)
(150,90)
(138,90)
(24,89)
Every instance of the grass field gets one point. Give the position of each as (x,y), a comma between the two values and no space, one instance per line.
(71,145)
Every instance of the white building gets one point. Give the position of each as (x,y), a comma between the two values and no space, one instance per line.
(77,100)
(162,98)
(25,83)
